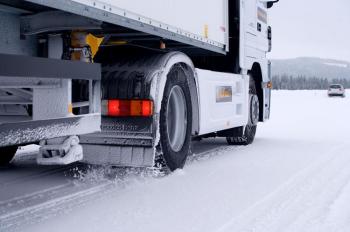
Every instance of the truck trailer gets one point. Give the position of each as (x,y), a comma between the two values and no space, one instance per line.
(128,82)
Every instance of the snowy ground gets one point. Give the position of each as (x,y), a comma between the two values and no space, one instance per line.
(295,177)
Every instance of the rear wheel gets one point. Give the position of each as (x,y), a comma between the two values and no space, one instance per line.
(249,130)
(176,120)
(7,154)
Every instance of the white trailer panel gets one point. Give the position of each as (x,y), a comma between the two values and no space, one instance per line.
(201,20)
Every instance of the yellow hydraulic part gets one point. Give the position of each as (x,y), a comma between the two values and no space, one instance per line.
(94,43)
(84,46)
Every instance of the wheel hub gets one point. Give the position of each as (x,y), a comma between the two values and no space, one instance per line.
(254,110)
(176,118)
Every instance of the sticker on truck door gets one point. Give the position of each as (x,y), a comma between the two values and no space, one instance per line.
(224,94)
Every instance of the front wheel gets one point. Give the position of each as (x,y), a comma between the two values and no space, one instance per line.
(176,119)
(249,130)
(7,154)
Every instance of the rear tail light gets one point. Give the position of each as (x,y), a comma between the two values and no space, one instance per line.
(122,108)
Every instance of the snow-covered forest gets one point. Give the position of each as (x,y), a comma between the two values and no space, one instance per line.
(289,82)
(309,73)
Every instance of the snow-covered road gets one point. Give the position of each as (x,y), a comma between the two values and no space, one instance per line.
(295,177)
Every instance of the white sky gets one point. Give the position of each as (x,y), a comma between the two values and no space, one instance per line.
(316,28)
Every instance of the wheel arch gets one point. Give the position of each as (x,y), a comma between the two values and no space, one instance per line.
(169,61)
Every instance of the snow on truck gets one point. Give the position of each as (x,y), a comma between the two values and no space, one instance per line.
(129,83)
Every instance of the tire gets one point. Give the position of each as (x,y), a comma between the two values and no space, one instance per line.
(7,154)
(176,120)
(249,130)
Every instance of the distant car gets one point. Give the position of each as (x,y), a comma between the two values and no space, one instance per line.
(336,90)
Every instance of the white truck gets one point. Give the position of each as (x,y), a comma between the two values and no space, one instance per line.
(131,82)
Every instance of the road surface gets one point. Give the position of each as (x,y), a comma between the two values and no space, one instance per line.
(295,177)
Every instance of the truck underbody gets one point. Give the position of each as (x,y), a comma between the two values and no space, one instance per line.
(133,89)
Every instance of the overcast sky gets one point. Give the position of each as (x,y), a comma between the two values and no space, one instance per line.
(316,28)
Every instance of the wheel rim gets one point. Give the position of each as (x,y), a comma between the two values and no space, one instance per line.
(176,118)
(254,109)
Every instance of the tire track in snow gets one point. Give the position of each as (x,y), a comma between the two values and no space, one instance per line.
(316,216)
(27,199)
(295,198)
(67,200)
(36,175)
(40,205)
(338,213)
(210,153)
(27,161)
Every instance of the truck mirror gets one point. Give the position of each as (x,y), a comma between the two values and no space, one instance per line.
(269,4)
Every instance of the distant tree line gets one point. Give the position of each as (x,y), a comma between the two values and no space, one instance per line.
(304,83)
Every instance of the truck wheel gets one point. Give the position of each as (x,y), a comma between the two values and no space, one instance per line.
(7,154)
(250,129)
(176,120)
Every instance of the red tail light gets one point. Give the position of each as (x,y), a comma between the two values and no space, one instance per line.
(120,108)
